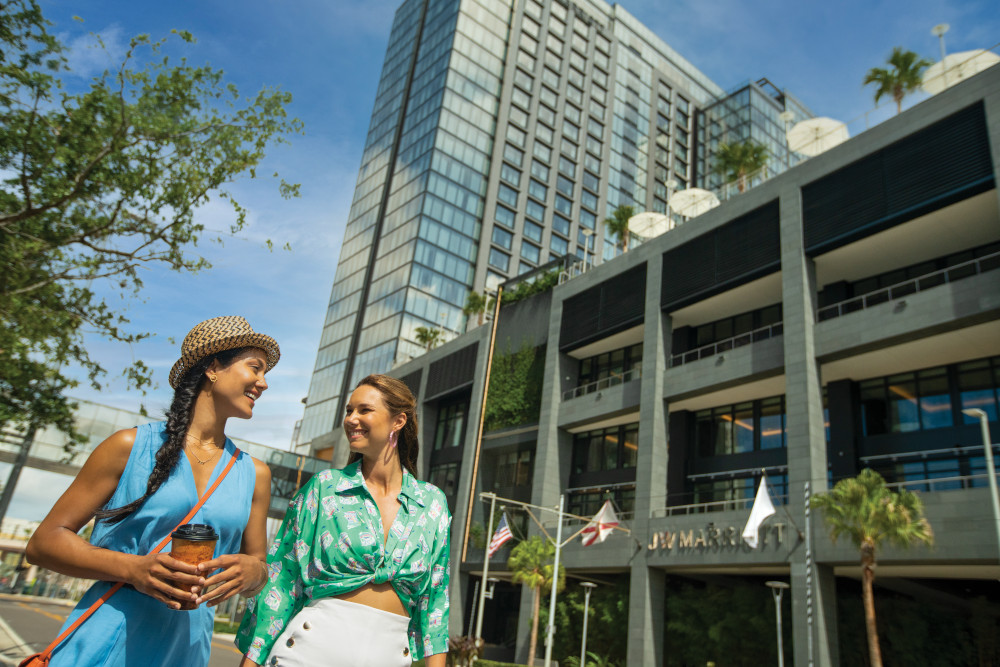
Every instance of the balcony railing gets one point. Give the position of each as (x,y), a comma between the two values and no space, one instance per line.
(943,276)
(735,504)
(740,340)
(604,383)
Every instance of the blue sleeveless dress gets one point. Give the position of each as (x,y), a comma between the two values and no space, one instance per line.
(133,629)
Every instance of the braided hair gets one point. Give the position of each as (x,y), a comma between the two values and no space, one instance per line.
(398,400)
(178,422)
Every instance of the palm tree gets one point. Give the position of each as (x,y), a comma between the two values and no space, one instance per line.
(531,563)
(902,79)
(735,162)
(618,224)
(869,513)
(428,336)
(478,304)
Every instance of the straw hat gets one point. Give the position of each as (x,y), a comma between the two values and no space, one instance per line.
(217,335)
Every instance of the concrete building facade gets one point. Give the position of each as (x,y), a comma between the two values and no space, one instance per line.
(839,316)
(503,133)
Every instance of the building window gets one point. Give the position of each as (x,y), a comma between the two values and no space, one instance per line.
(560,225)
(504,216)
(532,231)
(499,259)
(537,190)
(559,246)
(589,502)
(977,387)
(450,426)
(736,327)
(929,399)
(530,252)
(445,477)
(614,448)
(513,154)
(534,210)
(514,469)
(502,237)
(539,170)
(507,195)
(510,174)
(741,428)
(733,488)
(613,365)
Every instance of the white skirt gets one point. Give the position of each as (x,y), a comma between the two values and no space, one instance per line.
(335,633)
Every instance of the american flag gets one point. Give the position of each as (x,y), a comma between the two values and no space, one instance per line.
(501,535)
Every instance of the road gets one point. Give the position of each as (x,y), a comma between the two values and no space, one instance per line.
(37,622)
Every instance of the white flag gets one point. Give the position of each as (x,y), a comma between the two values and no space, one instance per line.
(600,526)
(762,508)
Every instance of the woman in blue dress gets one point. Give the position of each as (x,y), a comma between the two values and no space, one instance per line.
(139,484)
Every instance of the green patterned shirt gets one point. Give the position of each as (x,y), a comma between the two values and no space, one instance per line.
(330,543)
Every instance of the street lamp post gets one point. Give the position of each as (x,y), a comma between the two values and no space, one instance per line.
(984,426)
(588,587)
(777,590)
(587,233)
(938,31)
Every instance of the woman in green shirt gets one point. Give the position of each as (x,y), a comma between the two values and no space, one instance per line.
(358,573)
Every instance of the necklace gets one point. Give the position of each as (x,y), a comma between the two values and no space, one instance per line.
(217,450)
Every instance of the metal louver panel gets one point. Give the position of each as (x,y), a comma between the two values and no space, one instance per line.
(413,382)
(616,304)
(737,252)
(930,169)
(455,370)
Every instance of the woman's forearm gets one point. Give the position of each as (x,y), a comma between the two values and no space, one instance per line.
(61,550)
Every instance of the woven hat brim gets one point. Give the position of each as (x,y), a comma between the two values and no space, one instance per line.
(258,340)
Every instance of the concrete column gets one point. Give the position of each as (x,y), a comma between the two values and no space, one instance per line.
(460,587)
(813,599)
(551,468)
(647,586)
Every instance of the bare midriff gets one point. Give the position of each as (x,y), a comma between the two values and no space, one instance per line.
(377,596)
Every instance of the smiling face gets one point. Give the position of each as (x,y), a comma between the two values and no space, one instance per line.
(368,422)
(239,385)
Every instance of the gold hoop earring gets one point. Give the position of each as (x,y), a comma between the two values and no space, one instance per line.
(212,379)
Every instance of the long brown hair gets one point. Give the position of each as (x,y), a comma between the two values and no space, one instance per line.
(398,400)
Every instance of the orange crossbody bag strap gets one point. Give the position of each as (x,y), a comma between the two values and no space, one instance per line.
(44,657)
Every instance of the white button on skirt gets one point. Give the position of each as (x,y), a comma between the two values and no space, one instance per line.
(338,633)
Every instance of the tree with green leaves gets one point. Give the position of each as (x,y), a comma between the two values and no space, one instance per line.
(531,563)
(429,337)
(98,184)
(865,510)
(904,77)
(617,224)
(734,162)
(477,304)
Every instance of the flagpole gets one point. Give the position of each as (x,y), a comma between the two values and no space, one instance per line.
(486,569)
(550,633)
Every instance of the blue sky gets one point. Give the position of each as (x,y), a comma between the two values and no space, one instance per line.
(328,54)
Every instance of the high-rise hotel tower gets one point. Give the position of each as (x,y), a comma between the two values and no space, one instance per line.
(503,133)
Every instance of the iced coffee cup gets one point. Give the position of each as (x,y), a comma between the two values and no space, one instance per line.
(193,543)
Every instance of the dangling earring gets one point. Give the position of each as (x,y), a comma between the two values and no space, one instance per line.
(392,439)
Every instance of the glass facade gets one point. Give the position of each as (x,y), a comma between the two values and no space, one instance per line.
(750,113)
(929,399)
(606,449)
(501,131)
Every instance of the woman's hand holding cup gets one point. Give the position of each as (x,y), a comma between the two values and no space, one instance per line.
(238,573)
(191,545)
